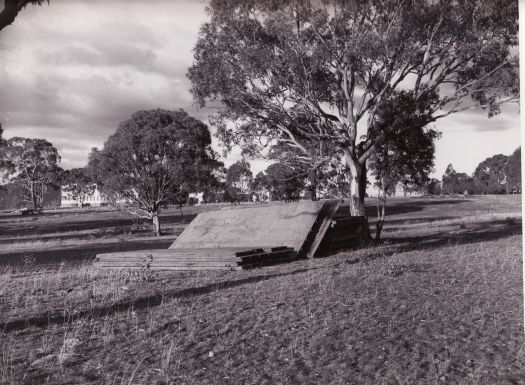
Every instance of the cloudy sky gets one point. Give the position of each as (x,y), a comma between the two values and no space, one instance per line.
(69,72)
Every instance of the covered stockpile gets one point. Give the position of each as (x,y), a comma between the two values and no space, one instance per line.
(246,237)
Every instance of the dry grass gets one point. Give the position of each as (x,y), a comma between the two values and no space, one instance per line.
(445,313)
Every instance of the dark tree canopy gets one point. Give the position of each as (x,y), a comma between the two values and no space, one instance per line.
(153,158)
(239,176)
(457,182)
(78,183)
(490,176)
(513,171)
(283,182)
(304,73)
(406,156)
(432,187)
(34,164)
(12,8)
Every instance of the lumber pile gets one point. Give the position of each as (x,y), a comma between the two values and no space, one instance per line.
(196,258)
(243,238)
(344,232)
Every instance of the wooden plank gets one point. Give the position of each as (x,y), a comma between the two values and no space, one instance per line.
(175,268)
(348,221)
(231,259)
(281,248)
(267,263)
(161,252)
(249,252)
(267,257)
(326,217)
(153,265)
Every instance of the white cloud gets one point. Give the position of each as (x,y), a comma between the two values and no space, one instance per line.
(69,72)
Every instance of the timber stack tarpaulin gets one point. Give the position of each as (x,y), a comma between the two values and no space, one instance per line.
(245,237)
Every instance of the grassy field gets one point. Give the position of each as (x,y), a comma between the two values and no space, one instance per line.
(438,302)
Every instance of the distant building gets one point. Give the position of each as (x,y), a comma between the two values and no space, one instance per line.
(399,191)
(96,199)
(403,191)
(197,197)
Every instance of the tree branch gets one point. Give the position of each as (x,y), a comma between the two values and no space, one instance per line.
(12,8)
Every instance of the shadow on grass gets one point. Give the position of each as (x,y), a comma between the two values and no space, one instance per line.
(472,233)
(479,232)
(83,253)
(105,234)
(53,213)
(41,227)
(410,221)
(404,207)
(137,304)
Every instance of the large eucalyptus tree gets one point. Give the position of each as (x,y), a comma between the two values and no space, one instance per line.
(308,72)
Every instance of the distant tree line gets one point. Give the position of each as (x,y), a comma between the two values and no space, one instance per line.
(499,174)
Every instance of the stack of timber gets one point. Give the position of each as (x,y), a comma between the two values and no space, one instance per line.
(344,233)
(241,238)
(196,258)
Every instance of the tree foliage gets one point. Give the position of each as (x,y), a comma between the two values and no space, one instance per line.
(78,183)
(3,158)
(283,182)
(457,182)
(432,187)
(13,7)
(406,156)
(490,175)
(153,158)
(34,164)
(304,73)
(239,176)
(513,171)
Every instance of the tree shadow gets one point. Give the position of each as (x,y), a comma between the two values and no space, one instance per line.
(415,220)
(404,207)
(145,302)
(477,232)
(466,234)
(37,227)
(81,254)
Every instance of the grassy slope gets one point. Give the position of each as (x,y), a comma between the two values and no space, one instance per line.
(449,312)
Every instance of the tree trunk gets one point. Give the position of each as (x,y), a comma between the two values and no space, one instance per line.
(381,211)
(313,193)
(312,175)
(33,194)
(156,222)
(357,202)
(357,183)
(40,197)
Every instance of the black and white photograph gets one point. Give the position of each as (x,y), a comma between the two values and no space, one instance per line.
(261,192)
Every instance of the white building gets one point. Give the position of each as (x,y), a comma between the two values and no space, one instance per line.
(95,199)
(399,191)
(198,197)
